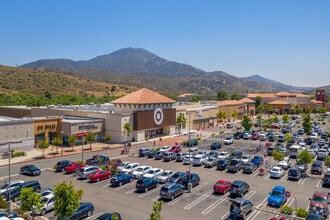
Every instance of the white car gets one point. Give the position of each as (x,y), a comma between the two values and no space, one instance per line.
(165,148)
(246,158)
(223,155)
(122,166)
(199,160)
(9,186)
(229,140)
(277,172)
(153,172)
(165,176)
(130,168)
(48,205)
(140,171)
(285,163)
(188,159)
(202,152)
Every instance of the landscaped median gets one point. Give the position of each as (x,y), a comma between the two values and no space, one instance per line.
(278,212)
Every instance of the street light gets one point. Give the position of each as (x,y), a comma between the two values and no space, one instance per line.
(189,144)
(9,175)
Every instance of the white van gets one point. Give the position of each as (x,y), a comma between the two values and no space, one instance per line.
(294,151)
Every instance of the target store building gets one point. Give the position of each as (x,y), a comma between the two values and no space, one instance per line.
(148,113)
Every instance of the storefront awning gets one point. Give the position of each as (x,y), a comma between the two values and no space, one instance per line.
(82,134)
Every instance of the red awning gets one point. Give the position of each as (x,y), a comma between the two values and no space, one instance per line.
(80,135)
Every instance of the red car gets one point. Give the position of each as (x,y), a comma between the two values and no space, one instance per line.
(98,175)
(255,137)
(175,149)
(73,167)
(221,186)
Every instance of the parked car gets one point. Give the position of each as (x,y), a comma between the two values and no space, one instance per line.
(45,192)
(221,186)
(224,155)
(326,178)
(235,165)
(284,150)
(114,163)
(109,216)
(193,178)
(211,162)
(239,188)
(140,171)
(222,164)
(294,173)
(97,160)
(120,179)
(249,167)
(276,172)
(192,142)
(301,165)
(199,160)
(153,172)
(270,150)
(180,156)
(30,170)
(159,155)
(99,175)
(143,152)
(215,146)
(9,185)
(171,190)
(85,209)
(213,153)
(322,154)
(319,203)
(146,183)
(47,205)
(175,149)
(73,167)
(313,216)
(246,158)
(317,167)
(85,171)
(228,140)
(130,168)
(277,197)
(244,206)
(258,160)
(16,192)
(168,156)
(151,154)
(237,154)
(165,176)
(165,148)
(60,165)
(285,163)
(238,135)
(188,159)
(122,166)
(178,177)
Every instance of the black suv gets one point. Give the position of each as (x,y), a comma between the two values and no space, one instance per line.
(235,165)
(317,167)
(326,178)
(178,177)
(15,193)
(239,188)
(194,179)
(60,166)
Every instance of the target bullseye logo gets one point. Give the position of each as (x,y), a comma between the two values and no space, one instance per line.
(158,116)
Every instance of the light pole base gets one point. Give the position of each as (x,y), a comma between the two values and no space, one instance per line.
(189,187)
(10,206)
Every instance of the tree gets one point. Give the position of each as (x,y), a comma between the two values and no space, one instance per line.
(30,199)
(296,110)
(305,157)
(72,140)
(327,161)
(308,110)
(258,104)
(221,115)
(127,128)
(114,216)
(307,124)
(107,139)
(278,156)
(181,120)
(285,118)
(322,110)
(268,109)
(222,95)
(247,122)
(57,142)
(275,118)
(67,200)
(235,96)
(156,209)
(288,137)
(43,145)
(234,115)
(90,138)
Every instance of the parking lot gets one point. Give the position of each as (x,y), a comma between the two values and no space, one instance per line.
(201,203)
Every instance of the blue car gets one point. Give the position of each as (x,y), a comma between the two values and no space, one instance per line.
(146,183)
(258,160)
(85,209)
(108,216)
(278,196)
(120,179)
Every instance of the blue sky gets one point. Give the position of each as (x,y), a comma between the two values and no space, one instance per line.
(286,41)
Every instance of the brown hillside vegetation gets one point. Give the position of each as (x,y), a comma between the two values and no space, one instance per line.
(37,82)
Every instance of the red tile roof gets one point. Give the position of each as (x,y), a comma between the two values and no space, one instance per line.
(247,100)
(143,96)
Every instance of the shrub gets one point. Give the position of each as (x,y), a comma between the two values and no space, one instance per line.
(18,154)
(286,210)
(113,170)
(198,139)
(80,162)
(301,212)
(103,167)
(22,213)
(3,203)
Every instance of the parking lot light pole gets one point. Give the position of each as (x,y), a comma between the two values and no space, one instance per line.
(9,173)
(189,144)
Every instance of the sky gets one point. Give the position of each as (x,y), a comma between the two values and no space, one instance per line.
(285,41)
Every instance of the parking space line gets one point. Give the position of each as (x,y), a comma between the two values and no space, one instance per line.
(214,205)
(122,187)
(96,215)
(319,184)
(253,215)
(130,191)
(225,215)
(147,193)
(195,202)
(250,194)
(107,185)
(179,199)
(284,178)
(156,199)
(289,201)
(267,176)
(302,181)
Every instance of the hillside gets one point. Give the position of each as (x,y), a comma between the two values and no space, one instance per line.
(37,82)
